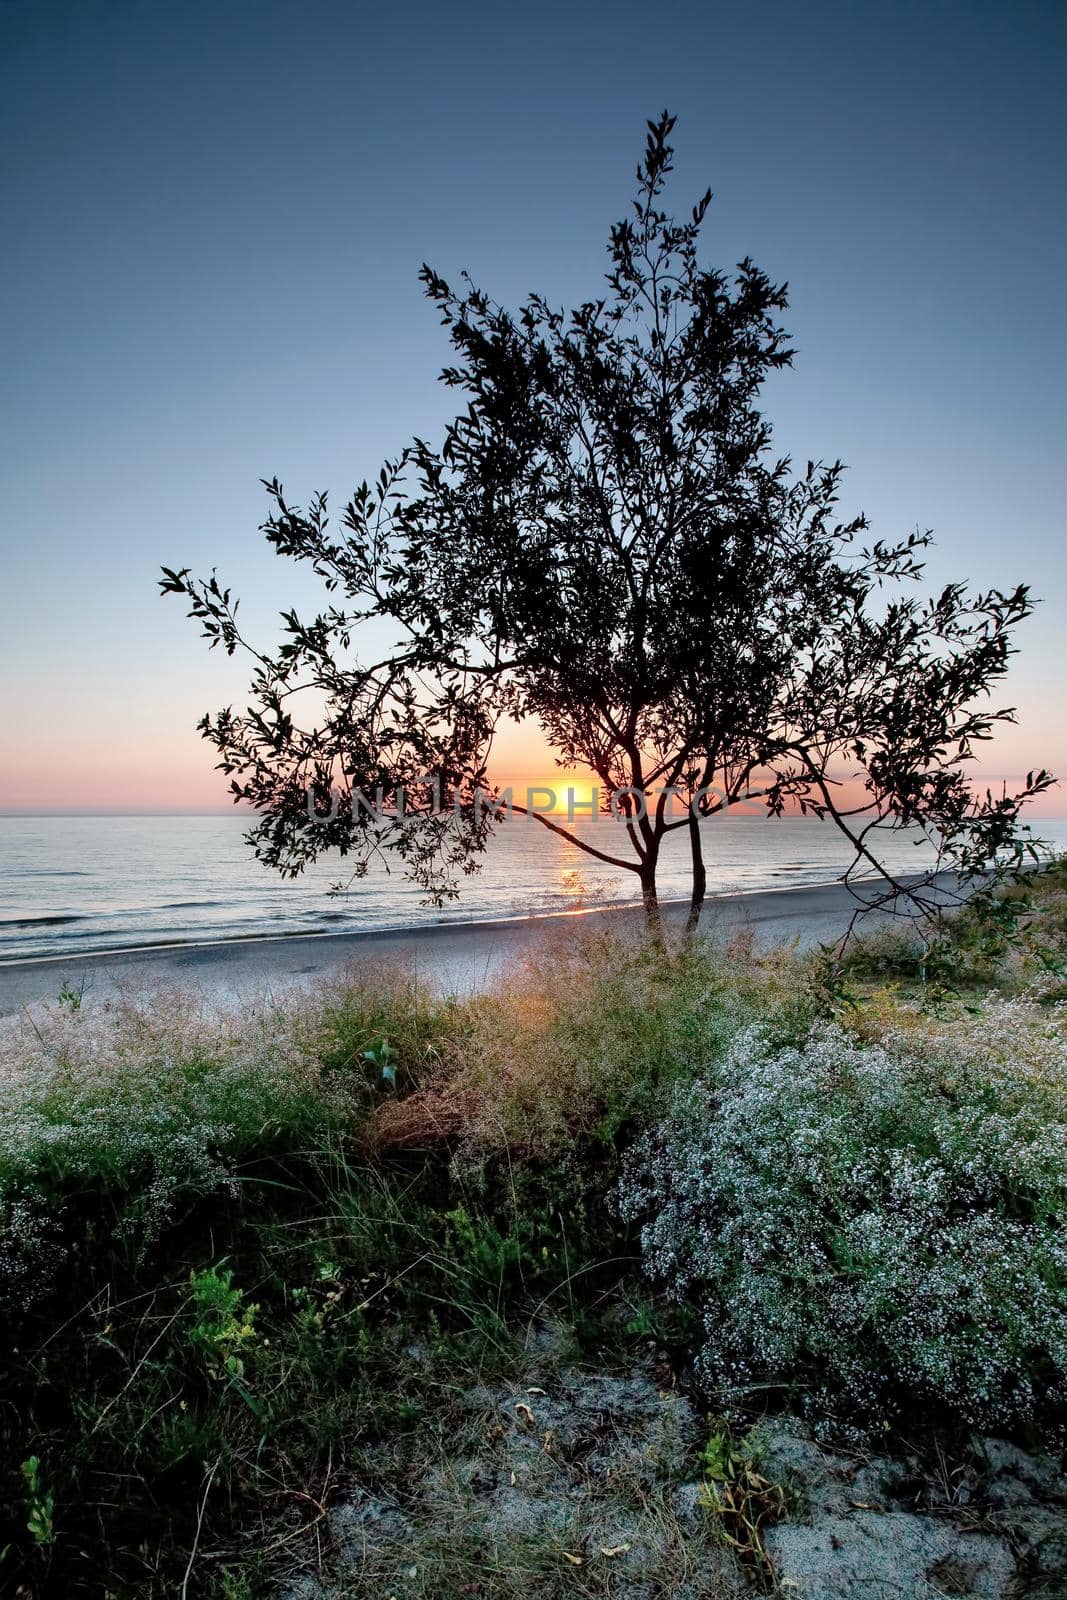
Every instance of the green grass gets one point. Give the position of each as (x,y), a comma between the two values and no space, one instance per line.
(309,1326)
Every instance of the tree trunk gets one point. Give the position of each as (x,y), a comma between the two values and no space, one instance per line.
(700,876)
(649,896)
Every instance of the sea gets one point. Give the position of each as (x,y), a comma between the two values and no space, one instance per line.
(80,884)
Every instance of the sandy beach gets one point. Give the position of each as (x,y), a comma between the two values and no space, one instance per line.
(455,956)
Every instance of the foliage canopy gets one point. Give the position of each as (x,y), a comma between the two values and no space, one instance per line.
(604,542)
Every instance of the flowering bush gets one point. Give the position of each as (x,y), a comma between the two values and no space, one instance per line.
(143,1103)
(879,1223)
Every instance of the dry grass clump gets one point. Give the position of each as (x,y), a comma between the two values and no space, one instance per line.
(583,1037)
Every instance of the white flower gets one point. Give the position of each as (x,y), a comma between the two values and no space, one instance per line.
(879,1220)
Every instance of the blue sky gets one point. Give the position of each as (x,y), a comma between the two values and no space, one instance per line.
(213,219)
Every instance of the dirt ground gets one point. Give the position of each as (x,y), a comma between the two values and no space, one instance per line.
(570,1483)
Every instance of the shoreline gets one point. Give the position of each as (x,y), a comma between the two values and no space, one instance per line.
(411,930)
(456,955)
(415,930)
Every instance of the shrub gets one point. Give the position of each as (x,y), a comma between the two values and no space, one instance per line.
(878,1224)
(136,1107)
(1005,937)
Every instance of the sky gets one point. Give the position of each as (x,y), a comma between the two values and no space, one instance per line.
(213,219)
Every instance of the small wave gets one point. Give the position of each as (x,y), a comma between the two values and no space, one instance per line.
(38,922)
(43,872)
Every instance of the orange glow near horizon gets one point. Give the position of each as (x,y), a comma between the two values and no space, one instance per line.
(159,770)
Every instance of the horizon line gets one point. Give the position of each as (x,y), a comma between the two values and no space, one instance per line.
(41,813)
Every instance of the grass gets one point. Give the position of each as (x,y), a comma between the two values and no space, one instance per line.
(277,1333)
(253,1260)
(1014,940)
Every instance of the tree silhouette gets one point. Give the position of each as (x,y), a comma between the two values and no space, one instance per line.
(603,542)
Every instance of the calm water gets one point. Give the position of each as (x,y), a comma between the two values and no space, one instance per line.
(70,884)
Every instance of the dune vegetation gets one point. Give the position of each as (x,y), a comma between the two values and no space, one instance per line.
(255,1261)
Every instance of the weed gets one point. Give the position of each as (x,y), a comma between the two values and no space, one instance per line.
(382,1058)
(223,1328)
(880,1222)
(740,1497)
(71,996)
(40,1505)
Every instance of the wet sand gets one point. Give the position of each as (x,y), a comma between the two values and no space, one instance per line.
(455,956)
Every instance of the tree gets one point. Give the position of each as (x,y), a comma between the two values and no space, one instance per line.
(603,542)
